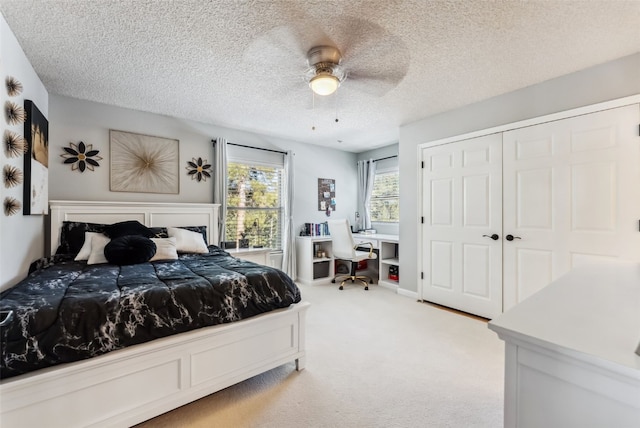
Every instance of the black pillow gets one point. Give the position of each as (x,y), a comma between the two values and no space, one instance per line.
(72,235)
(130,227)
(129,250)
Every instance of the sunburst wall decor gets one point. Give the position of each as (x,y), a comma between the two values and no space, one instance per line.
(81,157)
(13,113)
(143,163)
(13,86)
(198,169)
(12,176)
(11,206)
(14,144)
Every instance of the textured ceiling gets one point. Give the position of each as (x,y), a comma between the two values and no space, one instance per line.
(240,64)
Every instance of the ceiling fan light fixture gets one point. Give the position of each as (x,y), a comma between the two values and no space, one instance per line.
(324,83)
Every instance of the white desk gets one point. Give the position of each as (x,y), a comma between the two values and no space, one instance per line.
(311,269)
(569,352)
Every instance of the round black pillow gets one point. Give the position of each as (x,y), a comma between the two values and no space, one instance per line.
(129,250)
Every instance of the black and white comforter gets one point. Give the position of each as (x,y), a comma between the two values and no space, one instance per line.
(67,311)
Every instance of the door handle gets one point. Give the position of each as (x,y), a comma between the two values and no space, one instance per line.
(495,236)
(511,237)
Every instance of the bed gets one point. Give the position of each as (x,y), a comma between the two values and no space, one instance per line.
(131,384)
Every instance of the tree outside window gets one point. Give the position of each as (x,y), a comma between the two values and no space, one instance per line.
(254,205)
(385,198)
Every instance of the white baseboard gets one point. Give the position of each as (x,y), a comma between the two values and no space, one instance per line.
(408,293)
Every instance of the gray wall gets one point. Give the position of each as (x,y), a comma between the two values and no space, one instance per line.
(605,82)
(74,120)
(22,237)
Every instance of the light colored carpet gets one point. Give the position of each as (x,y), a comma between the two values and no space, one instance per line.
(374,359)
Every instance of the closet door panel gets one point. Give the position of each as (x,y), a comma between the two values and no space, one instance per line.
(462,198)
(534,271)
(593,197)
(476,275)
(442,202)
(534,188)
(571,194)
(532,179)
(441,274)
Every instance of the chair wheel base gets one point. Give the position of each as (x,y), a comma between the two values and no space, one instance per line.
(341,288)
(333,281)
(366,287)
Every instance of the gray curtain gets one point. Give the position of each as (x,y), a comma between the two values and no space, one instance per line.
(289,237)
(366,176)
(220,182)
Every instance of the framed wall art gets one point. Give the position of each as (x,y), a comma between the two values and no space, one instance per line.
(36,161)
(326,195)
(143,163)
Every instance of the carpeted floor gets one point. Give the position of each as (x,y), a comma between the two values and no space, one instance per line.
(374,359)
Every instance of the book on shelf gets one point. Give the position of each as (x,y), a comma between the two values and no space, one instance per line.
(315,229)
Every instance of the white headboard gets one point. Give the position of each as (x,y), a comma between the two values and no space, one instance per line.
(151,214)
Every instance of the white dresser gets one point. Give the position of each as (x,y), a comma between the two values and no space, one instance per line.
(570,351)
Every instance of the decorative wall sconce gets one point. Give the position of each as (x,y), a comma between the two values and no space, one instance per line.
(12,176)
(198,169)
(81,157)
(11,206)
(13,86)
(14,144)
(14,113)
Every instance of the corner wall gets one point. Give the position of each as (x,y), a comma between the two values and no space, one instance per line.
(21,236)
(609,81)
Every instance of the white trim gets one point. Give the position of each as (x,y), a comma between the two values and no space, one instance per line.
(633,99)
(407,293)
(419,224)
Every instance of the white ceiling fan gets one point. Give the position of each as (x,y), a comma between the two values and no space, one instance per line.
(346,52)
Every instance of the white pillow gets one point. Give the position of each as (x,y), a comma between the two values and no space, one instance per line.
(165,249)
(98,242)
(85,251)
(188,241)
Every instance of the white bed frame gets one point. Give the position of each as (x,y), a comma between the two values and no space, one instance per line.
(134,384)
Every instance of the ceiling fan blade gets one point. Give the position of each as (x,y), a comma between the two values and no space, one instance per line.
(375,82)
(376,60)
(370,86)
(278,48)
(280,54)
(300,33)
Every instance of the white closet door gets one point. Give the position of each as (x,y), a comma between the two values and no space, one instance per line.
(462,201)
(571,195)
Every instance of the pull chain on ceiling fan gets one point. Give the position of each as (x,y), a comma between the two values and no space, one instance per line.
(325,73)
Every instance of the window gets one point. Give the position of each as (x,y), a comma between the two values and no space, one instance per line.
(385,199)
(254,204)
